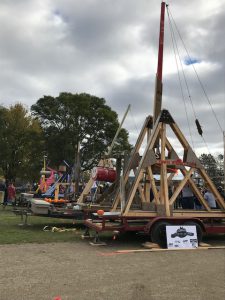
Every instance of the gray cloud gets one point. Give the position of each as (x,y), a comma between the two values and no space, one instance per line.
(109,49)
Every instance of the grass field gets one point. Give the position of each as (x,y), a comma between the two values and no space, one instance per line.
(13,233)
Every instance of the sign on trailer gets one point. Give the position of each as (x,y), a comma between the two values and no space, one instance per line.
(181,237)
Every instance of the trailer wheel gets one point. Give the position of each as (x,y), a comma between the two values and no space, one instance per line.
(158,233)
(198,229)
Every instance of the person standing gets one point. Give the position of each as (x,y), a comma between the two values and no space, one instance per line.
(187,201)
(5,194)
(2,191)
(209,197)
(11,194)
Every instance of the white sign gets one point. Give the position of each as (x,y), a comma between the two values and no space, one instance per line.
(181,236)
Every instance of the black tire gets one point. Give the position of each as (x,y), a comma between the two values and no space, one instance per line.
(198,229)
(158,233)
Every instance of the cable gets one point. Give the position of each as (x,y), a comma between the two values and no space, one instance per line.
(206,145)
(178,73)
(199,80)
(199,128)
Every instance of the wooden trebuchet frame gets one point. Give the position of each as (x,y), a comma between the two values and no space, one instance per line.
(102,163)
(134,159)
(159,158)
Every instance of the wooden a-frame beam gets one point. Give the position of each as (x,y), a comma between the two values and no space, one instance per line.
(181,185)
(193,186)
(213,189)
(140,170)
(202,172)
(196,191)
(153,185)
(163,174)
(136,149)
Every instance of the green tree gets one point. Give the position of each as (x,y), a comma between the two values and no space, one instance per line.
(214,167)
(21,139)
(70,119)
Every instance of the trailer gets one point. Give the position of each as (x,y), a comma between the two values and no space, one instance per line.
(132,208)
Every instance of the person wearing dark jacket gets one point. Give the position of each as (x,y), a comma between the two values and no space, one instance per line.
(5,201)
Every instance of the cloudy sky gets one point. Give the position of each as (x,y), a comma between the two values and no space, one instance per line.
(108,48)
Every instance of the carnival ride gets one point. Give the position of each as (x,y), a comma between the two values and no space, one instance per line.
(50,201)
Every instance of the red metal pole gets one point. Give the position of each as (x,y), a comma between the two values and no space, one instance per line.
(161,42)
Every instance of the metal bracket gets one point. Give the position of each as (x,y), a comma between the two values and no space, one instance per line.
(165,117)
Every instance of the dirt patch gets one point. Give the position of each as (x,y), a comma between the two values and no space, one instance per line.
(79,271)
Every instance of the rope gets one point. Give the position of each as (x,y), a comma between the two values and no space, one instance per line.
(178,73)
(206,145)
(199,128)
(199,80)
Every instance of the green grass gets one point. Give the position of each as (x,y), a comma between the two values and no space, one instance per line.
(12,233)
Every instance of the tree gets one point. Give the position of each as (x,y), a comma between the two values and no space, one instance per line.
(21,141)
(70,119)
(214,167)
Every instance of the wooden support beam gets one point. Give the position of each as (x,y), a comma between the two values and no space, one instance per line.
(196,191)
(153,185)
(181,185)
(163,175)
(140,169)
(178,214)
(147,187)
(147,183)
(170,177)
(122,193)
(141,192)
(193,185)
(140,213)
(133,190)
(136,149)
(179,135)
(199,214)
(86,190)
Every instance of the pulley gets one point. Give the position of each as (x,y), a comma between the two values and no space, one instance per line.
(199,127)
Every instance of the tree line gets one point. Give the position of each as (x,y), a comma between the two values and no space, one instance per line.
(54,127)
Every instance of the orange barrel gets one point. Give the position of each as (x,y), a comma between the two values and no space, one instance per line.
(100,174)
(111,175)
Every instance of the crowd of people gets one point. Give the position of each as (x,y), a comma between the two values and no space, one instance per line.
(188,200)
